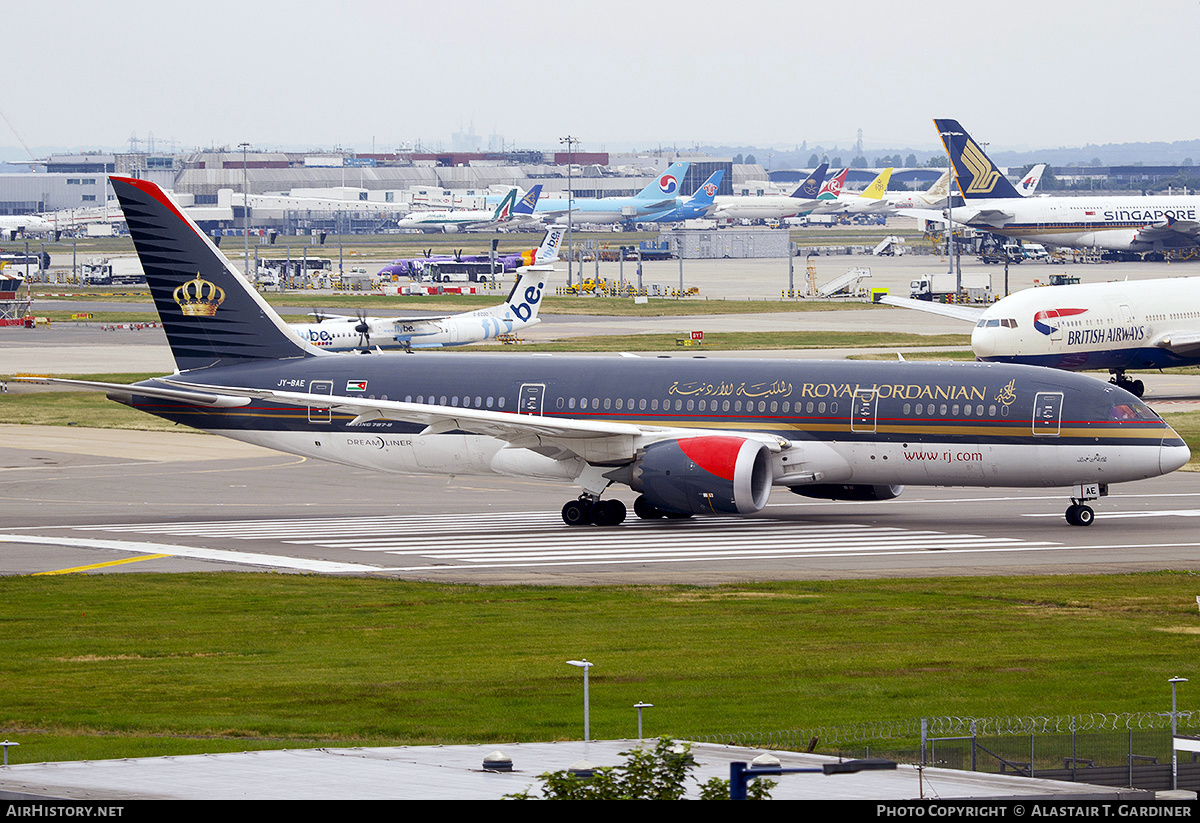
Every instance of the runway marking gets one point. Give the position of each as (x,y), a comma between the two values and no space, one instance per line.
(94,566)
(483,540)
(270,560)
(1157,513)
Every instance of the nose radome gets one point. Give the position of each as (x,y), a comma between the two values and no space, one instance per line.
(983,342)
(1174,453)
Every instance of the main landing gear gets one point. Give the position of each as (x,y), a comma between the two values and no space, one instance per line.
(1079,513)
(588,509)
(1134,387)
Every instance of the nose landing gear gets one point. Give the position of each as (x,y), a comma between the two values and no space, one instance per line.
(1079,513)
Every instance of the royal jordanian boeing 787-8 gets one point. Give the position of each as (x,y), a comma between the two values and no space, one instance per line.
(690,435)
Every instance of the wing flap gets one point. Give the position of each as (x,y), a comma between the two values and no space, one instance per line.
(969,313)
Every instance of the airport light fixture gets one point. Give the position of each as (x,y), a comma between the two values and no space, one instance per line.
(585,665)
(1174,681)
(639,706)
(571,143)
(245,210)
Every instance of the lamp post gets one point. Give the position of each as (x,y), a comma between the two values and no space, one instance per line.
(571,143)
(245,210)
(585,665)
(639,706)
(1174,755)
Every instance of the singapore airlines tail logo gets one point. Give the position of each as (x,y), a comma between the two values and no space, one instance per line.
(983,173)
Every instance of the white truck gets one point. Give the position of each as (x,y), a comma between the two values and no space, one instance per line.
(977,287)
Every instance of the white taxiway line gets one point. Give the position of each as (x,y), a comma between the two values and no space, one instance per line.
(243,558)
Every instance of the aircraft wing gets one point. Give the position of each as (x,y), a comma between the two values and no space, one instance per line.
(1170,229)
(1185,344)
(969,313)
(215,399)
(592,440)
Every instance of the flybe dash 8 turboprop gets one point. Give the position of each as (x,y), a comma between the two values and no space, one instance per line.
(1116,223)
(519,311)
(689,435)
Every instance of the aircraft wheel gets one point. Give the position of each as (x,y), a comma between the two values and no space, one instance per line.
(1137,387)
(643,509)
(1080,515)
(577,513)
(608,513)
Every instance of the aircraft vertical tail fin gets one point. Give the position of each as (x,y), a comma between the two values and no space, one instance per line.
(878,186)
(210,314)
(833,186)
(811,187)
(666,184)
(504,209)
(1029,182)
(548,251)
(706,194)
(978,177)
(528,203)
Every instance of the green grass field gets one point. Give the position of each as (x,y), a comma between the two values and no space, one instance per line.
(124,665)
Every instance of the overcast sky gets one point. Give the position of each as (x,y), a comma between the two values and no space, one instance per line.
(374,75)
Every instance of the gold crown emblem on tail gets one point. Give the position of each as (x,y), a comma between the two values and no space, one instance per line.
(199,297)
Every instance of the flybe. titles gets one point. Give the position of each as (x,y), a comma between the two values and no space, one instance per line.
(1097,337)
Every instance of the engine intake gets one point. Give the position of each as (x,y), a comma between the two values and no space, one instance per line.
(714,474)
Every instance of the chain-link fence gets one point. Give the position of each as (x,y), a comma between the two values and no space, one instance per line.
(1105,749)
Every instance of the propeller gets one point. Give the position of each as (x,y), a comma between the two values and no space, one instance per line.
(364,331)
(429,252)
(318,316)
(458,255)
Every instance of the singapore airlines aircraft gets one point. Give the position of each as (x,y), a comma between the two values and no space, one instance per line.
(690,435)
(1132,224)
(1116,326)
(519,311)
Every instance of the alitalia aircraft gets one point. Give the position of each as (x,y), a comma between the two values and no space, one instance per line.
(1132,224)
(509,213)
(689,435)
(519,311)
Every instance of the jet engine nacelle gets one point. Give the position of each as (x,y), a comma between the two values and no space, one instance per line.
(714,474)
(848,491)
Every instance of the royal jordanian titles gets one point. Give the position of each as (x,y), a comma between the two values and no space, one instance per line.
(688,435)
(1127,223)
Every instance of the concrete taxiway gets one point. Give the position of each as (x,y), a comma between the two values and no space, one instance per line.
(110,501)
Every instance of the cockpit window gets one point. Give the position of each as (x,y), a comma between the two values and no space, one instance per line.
(1131,411)
(996,322)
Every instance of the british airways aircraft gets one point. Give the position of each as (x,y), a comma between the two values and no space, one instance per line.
(689,435)
(1115,326)
(1127,223)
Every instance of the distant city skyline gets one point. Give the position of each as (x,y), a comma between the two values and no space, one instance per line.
(371,74)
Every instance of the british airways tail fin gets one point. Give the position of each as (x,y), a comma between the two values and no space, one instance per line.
(978,177)
(811,187)
(528,203)
(210,314)
(666,184)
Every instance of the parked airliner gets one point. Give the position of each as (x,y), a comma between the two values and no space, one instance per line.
(509,213)
(1122,223)
(690,435)
(519,311)
(772,207)
(659,195)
